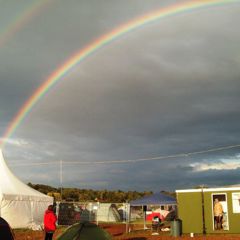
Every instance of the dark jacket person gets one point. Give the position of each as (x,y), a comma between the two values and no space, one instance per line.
(5,230)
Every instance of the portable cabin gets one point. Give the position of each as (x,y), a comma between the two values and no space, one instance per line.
(196,209)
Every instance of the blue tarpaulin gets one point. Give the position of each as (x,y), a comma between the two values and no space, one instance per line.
(154,199)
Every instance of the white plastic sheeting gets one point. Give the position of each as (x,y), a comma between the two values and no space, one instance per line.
(107,212)
(20,205)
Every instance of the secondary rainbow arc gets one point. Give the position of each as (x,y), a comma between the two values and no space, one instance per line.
(19,21)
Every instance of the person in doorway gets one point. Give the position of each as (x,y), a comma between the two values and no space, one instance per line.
(50,220)
(218,214)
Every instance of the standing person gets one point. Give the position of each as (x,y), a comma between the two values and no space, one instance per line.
(218,214)
(50,220)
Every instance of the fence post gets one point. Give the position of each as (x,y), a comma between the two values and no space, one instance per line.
(127,210)
(57,209)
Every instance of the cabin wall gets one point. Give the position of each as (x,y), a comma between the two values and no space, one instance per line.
(190,211)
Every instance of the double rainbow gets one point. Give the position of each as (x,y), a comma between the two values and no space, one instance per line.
(19,21)
(77,58)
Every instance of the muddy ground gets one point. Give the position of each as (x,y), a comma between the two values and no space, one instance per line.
(118,232)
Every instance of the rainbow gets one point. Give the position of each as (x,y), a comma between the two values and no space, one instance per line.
(20,20)
(102,41)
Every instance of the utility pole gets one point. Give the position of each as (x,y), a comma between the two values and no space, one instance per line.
(61,179)
(203,211)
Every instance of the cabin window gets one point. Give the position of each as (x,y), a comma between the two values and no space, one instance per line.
(236,202)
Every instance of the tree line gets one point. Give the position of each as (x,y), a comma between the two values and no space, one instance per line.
(84,195)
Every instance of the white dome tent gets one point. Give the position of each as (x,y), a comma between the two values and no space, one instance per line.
(20,205)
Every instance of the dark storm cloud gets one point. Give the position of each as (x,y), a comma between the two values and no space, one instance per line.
(50,36)
(167,88)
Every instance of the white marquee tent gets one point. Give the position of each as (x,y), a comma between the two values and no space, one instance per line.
(20,205)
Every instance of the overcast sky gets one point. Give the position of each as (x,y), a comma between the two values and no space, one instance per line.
(166,88)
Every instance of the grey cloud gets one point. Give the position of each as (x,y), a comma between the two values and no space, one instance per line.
(169,87)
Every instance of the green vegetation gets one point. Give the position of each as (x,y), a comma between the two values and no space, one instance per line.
(84,195)
(171,194)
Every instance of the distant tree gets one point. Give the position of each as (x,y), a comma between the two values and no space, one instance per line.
(42,188)
(171,194)
(85,195)
(70,194)
(55,195)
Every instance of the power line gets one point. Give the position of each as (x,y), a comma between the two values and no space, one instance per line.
(33,164)
(179,155)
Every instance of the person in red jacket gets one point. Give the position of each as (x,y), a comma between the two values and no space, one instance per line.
(49,221)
